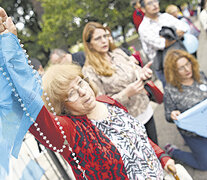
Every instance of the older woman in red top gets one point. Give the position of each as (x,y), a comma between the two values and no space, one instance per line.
(96,136)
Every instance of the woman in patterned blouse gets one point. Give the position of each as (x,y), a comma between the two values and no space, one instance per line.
(117,75)
(186,87)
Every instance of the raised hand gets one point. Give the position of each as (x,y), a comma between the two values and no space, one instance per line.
(6,24)
(146,72)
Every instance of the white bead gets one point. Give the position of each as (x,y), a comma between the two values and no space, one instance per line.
(19,100)
(1,69)
(75,158)
(70,148)
(77,161)
(60,127)
(38,129)
(54,113)
(45,95)
(19,40)
(33,72)
(22,105)
(13,90)
(47,141)
(24,109)
(22,45)
(27,114)
(16,95)
(52,109)
(62,132)
(58,150)
(50,145)
(39,81)
(35,124)
(44,137)
(49,104)
(4,73)
(27,56)
(61,150)
(54,148)
(79,167)
(64,136)
(24,50)
(10,84)
(41,134)
(64,146)
(32,119)
(7,78)
(29,61)
(56,119)
(31,66)
(73,154)
(58,123)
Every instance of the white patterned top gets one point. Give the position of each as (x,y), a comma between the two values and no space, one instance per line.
(130,138)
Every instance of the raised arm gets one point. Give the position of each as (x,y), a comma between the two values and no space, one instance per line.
(22,88)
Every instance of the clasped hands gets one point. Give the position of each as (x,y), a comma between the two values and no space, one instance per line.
(6,23)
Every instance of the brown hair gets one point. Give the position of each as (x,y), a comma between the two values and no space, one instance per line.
(171,71)
(56,82)
(93,58)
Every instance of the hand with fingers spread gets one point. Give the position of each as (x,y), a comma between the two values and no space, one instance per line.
(135,88)
(146,72)
(6,24)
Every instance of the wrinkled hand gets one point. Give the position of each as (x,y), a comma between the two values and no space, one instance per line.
(134,88)
(6,24)
(174,114)
(170,163)
(146,72)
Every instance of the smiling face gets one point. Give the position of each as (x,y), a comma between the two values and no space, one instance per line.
(184,67)
(100,41)
(81,98)
(151,8)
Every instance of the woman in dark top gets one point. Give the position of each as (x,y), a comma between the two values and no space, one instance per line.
(186,87)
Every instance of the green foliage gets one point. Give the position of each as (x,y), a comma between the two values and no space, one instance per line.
(22,11)
(60,27)
(62,22)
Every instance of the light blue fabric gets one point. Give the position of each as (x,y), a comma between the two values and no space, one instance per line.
(13,121)
(194,119)
(32,171)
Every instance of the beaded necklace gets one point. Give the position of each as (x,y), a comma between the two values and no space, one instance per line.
(14,91)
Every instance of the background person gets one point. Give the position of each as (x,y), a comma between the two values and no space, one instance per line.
(174,11)
(149,29)
(59,56)
(117,75)
(203,16)
(186,87)
(138,14)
